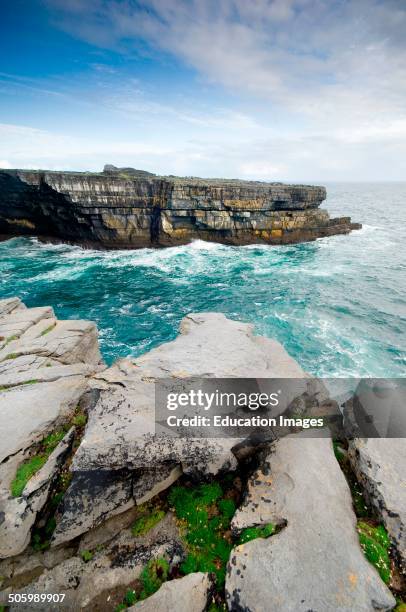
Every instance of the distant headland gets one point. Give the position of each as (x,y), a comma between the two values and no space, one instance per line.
(130,208)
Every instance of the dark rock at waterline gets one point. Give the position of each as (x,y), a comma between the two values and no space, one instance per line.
(128,208)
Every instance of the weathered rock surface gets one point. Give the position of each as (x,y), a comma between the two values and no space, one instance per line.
(188,594)
(44,369)
(379,465)
(315,562)
(117,564)
(19,514)
(122,207)
(120,443)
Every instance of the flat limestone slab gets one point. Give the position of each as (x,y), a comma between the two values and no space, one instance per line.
(67,341)
(14,324)
(28,412)
(120,430)
(9,305)
(380,465)
(315,562)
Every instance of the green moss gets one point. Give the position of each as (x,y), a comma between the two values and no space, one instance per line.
(11,339)
(25,471)
(86,555)
(41,538)
(375,543)
(48,329)
(51,441)
(338,451)
(154,574)
(31,466)
(11,356)
(80,419)
(217,608)
(251,533)
(401,605)
(147,520)
(205,518)
(358,499)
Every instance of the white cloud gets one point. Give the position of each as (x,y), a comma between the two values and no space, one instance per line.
(318,89)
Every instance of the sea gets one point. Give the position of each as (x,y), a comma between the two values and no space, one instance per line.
(338,304)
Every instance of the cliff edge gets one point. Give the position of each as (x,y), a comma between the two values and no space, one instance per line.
(128,208)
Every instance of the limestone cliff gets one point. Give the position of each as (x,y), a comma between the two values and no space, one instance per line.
(125,208)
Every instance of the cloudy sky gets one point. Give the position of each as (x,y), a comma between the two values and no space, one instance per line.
(299,90)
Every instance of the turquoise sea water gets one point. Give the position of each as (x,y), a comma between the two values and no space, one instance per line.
(337,304)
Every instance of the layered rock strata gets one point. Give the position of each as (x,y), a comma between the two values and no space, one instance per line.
(124,209)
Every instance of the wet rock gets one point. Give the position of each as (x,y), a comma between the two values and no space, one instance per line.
(315,562)
(378,464)
(188,594)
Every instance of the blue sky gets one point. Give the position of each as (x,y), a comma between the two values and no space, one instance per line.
(299,90)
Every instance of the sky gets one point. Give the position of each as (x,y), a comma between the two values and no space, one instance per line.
(289,90)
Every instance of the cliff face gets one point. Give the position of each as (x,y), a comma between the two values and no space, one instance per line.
(117,209)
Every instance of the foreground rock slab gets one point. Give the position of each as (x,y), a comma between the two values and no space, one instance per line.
(188,594)
(120,443)
(89,585)
(379,465)
(45,365)
(209,346)
(315,562)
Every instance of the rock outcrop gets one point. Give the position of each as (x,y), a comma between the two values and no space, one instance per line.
(315,562)
(107,473)
(126,208)
(44,369)
(379,466)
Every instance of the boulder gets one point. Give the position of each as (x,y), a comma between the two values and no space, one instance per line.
(188,594)
(315,562)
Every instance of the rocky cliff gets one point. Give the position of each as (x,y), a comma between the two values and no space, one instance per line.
(125,208)
(97,507)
